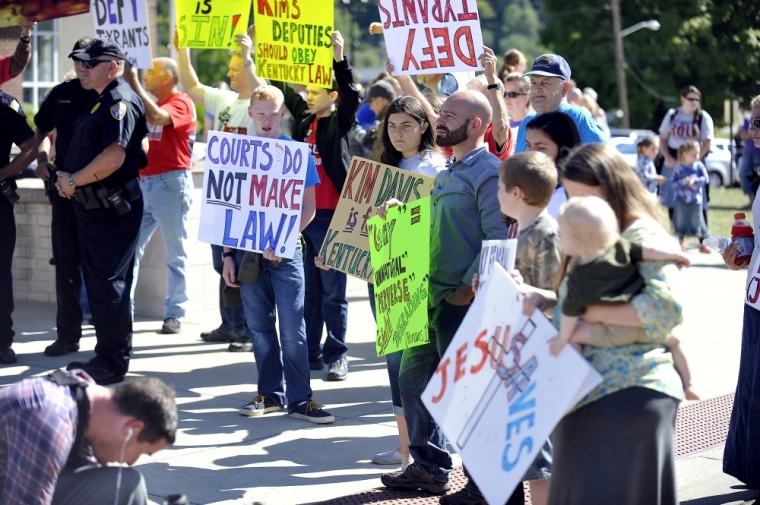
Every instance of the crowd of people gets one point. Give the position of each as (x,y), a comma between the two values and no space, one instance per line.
(517,148)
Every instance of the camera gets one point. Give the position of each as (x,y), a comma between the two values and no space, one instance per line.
(8,190)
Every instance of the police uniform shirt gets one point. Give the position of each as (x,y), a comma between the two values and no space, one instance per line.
(13,127)
(61,109)
(117,115)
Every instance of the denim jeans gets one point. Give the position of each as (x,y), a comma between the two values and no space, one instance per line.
(326,303)
(393,360)
(418,364)
(280,286)
(233,318)
(167,203)
(747,164)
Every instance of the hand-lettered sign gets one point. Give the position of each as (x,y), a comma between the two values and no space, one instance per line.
(126,23)
(294,41)
(503,252)
(400,247)
(432,37)
(12,12)
(252,192)
(498,393)
(211,24)
(368,185)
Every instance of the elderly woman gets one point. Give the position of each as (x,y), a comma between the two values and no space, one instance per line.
(616,446)
(741,457)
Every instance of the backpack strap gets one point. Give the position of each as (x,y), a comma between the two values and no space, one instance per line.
(77,388)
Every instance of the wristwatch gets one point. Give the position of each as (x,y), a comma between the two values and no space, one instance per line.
(71,182)
(496,85)
(228,254)
(247,63)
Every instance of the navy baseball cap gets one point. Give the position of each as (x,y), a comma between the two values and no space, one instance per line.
(96,48)
(551,65)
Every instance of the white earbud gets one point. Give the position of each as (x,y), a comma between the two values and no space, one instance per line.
(129,435)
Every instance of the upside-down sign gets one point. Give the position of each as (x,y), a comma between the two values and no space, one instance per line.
(431,36)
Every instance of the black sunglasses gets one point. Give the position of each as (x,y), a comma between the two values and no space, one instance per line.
(691,99)
(90,64)
(755,122)
(514,94)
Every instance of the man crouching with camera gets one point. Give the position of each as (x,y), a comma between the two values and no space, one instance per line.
(105,157)
(13,130)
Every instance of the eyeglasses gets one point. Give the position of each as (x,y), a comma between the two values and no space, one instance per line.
(755,122)
(691,99)
(514,94)
(90,64)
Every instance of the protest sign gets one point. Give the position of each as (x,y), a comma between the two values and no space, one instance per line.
(431,37)
(294,41)
(211,24)
(126,23)
(502,252)
(252,192)
(400,247)
(368,185)
(498,393)
(12,12)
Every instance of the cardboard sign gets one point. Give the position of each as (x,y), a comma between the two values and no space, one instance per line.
(126,23)
(400,247)
(252,192)
(211,24)
(368,185)
(503,252)
(12,12)
(432,37)
(498,393)
(294,41)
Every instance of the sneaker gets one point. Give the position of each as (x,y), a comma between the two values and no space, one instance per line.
(392,457)
(316,363)
(242,344)
(338,370)
(311,411)
(59,348)
(7,356)
(99,373)
(463,497)
(218,335)
(412,479)
(171,325)
(259,406)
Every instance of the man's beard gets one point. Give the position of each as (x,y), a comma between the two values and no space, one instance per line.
(454,137)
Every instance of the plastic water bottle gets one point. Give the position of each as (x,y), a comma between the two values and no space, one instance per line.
(716,244)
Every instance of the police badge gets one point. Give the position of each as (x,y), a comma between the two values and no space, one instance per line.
(119,110)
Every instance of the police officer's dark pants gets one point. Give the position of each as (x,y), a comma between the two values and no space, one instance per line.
(7,243)
(97,486)
(107,242)
(68,273)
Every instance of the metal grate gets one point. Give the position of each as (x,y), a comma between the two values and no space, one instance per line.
(700,427)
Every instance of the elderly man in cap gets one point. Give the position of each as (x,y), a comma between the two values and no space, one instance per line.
(102,170)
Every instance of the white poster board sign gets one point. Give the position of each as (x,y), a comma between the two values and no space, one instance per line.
(503,252)
(252,192)
(431,37)
(498,393)
(126,23)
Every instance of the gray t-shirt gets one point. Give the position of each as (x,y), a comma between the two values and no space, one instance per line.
(425,163)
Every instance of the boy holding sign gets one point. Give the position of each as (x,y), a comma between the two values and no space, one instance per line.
(280,284)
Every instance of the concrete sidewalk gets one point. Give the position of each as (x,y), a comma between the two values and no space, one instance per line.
(222,457)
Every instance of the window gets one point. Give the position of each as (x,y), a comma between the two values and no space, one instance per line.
(41,73)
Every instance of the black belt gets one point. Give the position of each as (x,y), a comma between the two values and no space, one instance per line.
(95,196)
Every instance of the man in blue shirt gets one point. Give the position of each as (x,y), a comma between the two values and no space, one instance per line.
(279,283)
(549,85)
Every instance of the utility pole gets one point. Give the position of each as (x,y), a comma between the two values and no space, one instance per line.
(619,62)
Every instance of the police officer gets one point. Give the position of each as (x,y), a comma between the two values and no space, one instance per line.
(13,130)
(61,109)
(102,168)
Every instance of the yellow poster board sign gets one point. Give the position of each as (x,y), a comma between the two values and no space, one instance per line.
(294,41)
(211,24)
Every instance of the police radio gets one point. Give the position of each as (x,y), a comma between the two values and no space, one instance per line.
(52,178)
(8,190)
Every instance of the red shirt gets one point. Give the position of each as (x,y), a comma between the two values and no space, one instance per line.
(5,69)
(172,145)
(326,194)
(506,149)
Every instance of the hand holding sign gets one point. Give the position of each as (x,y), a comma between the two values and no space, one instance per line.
(337,43)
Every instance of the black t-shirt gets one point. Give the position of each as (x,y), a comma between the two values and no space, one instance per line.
(117,115)
(13,126)
(61,109)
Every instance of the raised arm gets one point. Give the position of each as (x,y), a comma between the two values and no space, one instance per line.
(409,88)
(347,89)
(495,97)
(246,48)
(153,113)
(187,76)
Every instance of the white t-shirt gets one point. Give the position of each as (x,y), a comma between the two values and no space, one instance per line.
(752,292)
(230,113)
(681,128)
(425,163)
(558,199)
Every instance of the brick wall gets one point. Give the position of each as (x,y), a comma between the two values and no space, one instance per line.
(8,41)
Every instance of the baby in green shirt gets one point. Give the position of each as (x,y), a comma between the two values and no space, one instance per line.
(603,270)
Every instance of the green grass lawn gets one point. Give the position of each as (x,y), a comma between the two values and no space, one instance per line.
(724,203)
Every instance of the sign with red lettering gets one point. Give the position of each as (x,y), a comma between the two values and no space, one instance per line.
(431,36)
(498,393)
(252,192)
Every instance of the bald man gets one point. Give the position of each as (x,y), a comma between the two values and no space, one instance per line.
(465,211)
(166,183)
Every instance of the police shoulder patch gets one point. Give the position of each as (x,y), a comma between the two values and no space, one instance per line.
(16,106)
(119,110)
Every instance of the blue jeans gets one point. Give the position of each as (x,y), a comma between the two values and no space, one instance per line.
(748,161)
(326,303)
(280,286)
(393,360)
(233,318)
(167,203)
(418,364)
